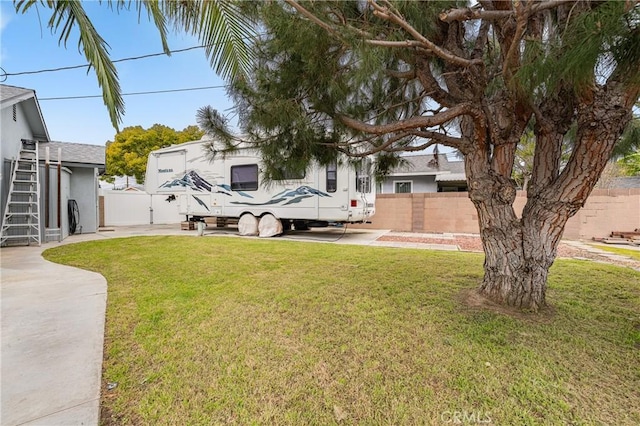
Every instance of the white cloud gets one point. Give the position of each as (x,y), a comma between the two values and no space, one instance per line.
(5,17)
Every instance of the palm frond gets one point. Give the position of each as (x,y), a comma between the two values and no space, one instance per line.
(67,14)
(155,13)
(95,50)
(220,25)
(222,28)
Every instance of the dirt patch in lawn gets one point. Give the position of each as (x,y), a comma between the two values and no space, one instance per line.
(472,299)
(474,244)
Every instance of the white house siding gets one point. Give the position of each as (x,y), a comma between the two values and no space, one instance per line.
(84,190)
(10,143)
(65,191)
(5,182)
(13,132)
(419,183)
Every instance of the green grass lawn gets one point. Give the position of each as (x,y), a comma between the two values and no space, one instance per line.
(224,330)
(634,254)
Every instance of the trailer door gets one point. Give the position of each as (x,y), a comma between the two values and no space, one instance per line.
(333,181)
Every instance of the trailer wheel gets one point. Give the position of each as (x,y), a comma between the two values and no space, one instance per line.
(269,226)
(248,225)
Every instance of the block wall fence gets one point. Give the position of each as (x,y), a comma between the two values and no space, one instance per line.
(605,211)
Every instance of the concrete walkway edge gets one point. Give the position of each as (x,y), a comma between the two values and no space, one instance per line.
(53,320)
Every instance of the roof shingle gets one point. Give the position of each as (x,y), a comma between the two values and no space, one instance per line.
(9,93)
(427,164)
(77,153)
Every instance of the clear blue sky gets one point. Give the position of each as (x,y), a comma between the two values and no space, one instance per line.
(28,45)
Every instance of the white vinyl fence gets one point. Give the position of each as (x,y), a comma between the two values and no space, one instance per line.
(126,208)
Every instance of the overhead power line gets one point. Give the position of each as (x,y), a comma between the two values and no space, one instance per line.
(153,92)
(71,67)
(4,74)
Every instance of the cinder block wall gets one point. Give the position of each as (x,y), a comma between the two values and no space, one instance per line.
(606,210)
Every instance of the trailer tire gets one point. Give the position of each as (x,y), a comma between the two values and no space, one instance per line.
(269,226)
(248,225)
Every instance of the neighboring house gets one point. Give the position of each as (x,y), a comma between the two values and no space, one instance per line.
(423,173)
(21,119)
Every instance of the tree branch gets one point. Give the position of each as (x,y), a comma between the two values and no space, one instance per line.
(410,123)
(438,137)
(387,14)
(406,75)
(481,40)
(511,58)
(600,125)
(387,147)
(313,18)
(472,13)
(431,85)
(401,44)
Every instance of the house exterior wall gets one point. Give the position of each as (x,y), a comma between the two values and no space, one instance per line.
(84,190)
(605,211)
(65,193)
(419,183)
(13,131)
(52,199)
(11,135)
(5,182)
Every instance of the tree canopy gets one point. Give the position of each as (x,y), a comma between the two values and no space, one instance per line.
(127,154)
(383,77)
(402,76)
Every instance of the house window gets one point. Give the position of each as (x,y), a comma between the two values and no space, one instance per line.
(332,177)
(244,178)
(15,113)
(402,187)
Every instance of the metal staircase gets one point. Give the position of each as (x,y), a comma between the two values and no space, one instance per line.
(21,222)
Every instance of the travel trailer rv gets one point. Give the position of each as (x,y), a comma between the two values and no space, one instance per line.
(232,186)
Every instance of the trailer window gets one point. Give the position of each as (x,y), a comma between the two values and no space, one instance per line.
(289,174)
(244,177)
(332,177)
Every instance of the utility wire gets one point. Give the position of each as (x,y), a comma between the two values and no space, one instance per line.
(5,74)
(134,93)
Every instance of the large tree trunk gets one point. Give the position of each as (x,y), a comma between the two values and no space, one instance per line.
(520,251)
